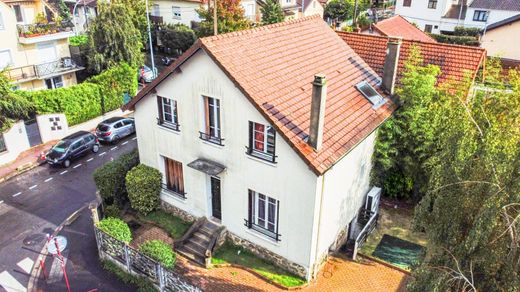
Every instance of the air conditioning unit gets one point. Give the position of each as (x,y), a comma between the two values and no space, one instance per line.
(372,199)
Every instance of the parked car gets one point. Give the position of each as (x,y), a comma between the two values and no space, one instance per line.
(114,129)
(146,74)
(72,147)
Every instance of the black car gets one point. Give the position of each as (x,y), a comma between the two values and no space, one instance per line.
(72,147)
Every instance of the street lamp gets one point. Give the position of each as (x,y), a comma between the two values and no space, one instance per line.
(150,40)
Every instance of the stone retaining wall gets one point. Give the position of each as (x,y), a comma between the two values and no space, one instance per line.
(178,212)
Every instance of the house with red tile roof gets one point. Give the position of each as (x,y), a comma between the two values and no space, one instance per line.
(398,26)
(269,133)
(455,61)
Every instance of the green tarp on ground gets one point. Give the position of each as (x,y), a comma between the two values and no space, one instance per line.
(398,252)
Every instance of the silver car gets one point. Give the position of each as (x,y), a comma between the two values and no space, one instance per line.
(114,129)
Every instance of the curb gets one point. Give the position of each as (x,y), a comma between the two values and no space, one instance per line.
(36,269)
(18,172)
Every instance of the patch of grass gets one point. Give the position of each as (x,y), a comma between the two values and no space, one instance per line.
(143,284)
(175,226)
(229,253)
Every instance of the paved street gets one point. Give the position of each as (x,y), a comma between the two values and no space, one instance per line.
(35,203)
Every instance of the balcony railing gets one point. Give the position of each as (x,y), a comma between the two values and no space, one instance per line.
(42,70)
(39,29)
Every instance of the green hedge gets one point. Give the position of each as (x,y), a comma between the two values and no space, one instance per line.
(116,228)
(159,251)
(87,100)
(143,184)
(143,284)
(110,178)
(457,40)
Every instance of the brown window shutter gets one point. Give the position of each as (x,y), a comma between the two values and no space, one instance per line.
(250,212)
(206,114)
(160,109)
(251,135)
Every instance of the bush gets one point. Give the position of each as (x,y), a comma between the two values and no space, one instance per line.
(78,40)
(397,185)
(457,40)
(143,184)
(466,31)
(114,83)
(116,228)
(143,284)
(159,251)
(177,37)
(112,211)
(110,178)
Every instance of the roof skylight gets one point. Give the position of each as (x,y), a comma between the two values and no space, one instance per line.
(371,94)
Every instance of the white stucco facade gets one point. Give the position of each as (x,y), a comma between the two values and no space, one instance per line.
(176,11)
(16,142)
(290,181)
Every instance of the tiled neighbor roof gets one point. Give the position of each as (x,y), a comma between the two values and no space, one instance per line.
(454,60)
(398,26)
(274,66)
(513,5)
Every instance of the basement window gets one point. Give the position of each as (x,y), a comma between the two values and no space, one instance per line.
(371,94)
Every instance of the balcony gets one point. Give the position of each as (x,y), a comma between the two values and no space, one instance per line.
(42,71)
(42,32)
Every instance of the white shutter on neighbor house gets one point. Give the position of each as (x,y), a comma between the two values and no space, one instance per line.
(5,59)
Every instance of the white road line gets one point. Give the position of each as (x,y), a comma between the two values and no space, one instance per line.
(76,166)
(124,143)
(10,284)
(113,148)
(26,265)
(32,187)
(49,179)
(64,172)
(1,202)
(90,159)
(102,153)
(17,194)
(134,138)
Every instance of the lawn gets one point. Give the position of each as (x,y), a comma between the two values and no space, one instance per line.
(396,222)
(175,226)
(231,254)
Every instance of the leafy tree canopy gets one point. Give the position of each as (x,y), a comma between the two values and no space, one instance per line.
(230,17)
(137,10)
(272,12)
(114,38)
(12,106)
(342,10)
(177,37)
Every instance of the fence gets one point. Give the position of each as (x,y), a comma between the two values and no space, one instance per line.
(136,263)
(362,236)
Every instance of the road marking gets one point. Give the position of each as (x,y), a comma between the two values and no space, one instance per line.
(134,138)
(102,153)
(90,159)
(113,148)
(17,194)
(124,143)
(1,202)
(64,172)
(76,166)
(26,265)
(10,284)
(32,187)
(49,179)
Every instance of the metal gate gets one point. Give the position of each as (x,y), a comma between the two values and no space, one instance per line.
(33,132)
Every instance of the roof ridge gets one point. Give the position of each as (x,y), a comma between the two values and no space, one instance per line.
(414,41)
(260,28)
(410,23)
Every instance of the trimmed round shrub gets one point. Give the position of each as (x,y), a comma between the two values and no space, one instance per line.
(112,211)
(143,184)
(116,228)
(159,251)
(110,178)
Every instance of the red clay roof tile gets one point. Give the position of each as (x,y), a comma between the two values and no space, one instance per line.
(400,27)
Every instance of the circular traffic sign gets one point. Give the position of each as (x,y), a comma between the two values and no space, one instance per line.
(58,242)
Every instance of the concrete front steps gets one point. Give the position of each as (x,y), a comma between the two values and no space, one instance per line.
(198,242)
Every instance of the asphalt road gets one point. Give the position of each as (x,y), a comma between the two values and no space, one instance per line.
(35,203)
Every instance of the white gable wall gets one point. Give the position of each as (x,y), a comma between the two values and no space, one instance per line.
(290,180)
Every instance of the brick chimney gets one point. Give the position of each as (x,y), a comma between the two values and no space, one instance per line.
(390,67)
(319,96)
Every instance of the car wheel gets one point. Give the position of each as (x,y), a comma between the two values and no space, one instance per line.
(95,148)
(66,163)
(115,140)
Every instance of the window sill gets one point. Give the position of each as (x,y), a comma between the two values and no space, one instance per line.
(262,236)
(170,127)
(256,158)
(173,195)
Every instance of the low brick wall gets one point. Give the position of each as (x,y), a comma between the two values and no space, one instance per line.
(135,263)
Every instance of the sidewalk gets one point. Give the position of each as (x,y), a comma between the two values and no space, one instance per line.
(25,161)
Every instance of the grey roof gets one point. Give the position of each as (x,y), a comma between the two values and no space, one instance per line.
(503,22)
(511,5)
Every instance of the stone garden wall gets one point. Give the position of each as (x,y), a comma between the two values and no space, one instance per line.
(135,263)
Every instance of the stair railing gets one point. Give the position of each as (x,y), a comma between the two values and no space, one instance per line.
(193,228)
(209,249)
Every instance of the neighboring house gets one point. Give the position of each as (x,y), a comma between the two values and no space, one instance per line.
(84,12)
(270,133)
(455,61)
(499,39)
(177,11)
(252,9)
(400,27)
(293,8)
(36,56)
(444,15)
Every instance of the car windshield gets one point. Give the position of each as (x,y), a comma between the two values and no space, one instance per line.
(61,147)
(103,128)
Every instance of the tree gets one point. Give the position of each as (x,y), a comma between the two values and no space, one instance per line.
(12,106)
(272,12)
(341,10)
(137,10)
(177,37)
(230,17)
(113,38)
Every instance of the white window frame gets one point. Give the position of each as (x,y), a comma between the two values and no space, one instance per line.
(176,12)
(481,13)
(21,13)
(215,109)
(55,84)
(172,104)
(2,25)
(10,58)
(266,143)
(268,201)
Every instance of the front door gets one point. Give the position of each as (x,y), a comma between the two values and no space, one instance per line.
(215,198)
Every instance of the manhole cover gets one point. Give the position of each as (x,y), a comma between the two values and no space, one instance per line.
(33,239)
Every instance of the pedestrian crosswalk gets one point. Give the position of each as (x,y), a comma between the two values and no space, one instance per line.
(9,283)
